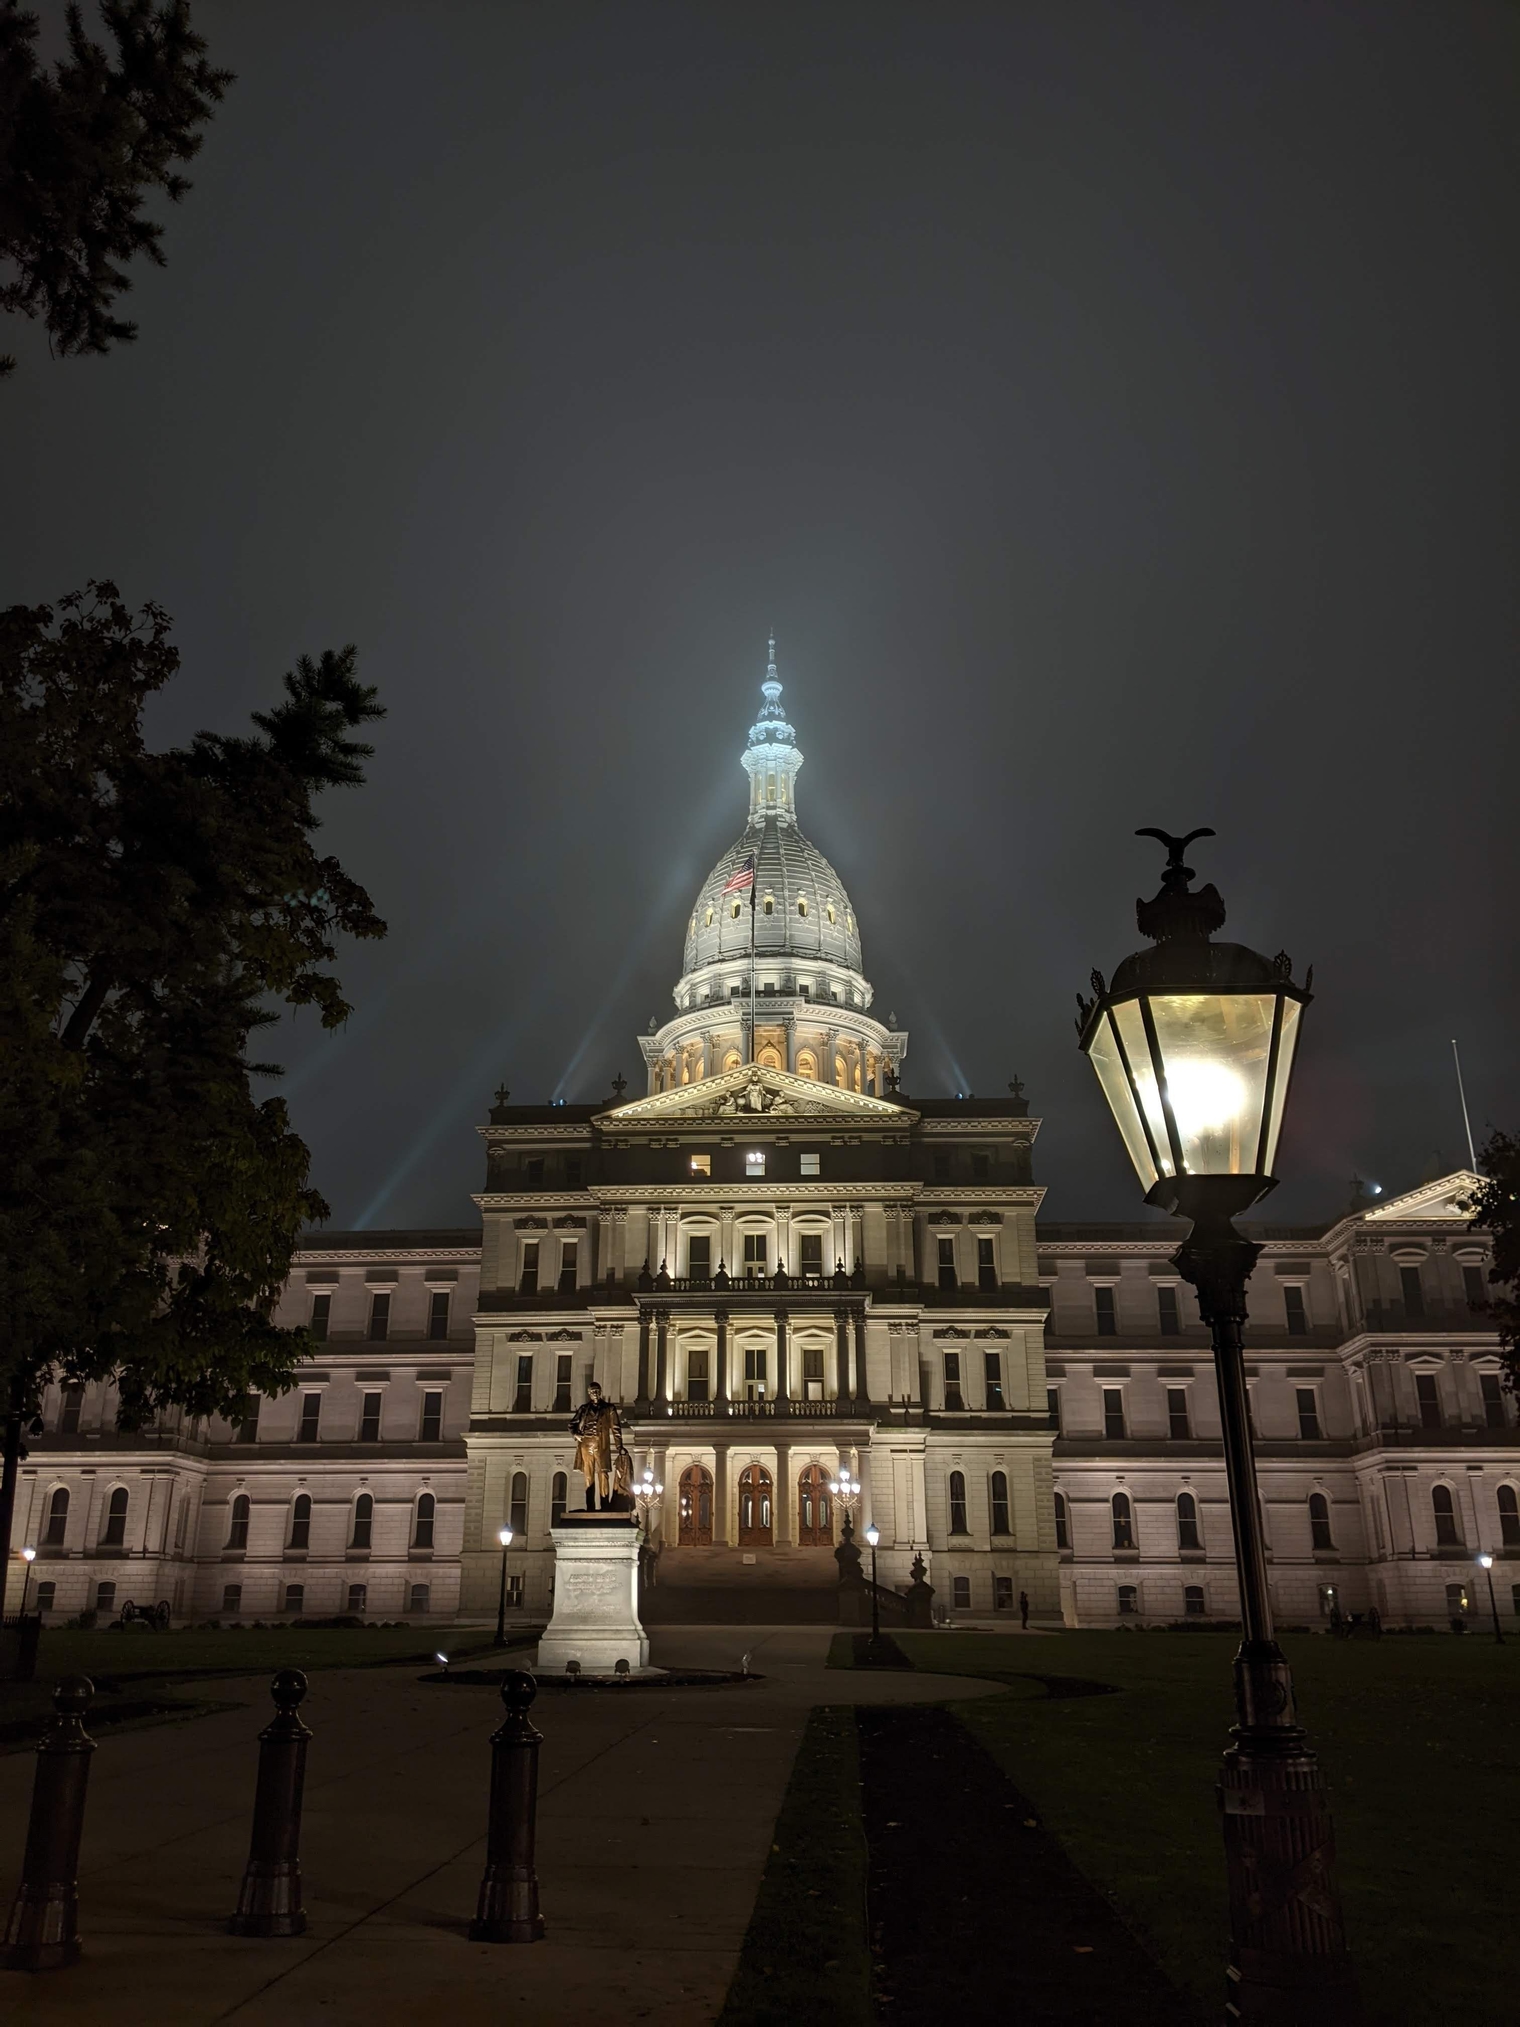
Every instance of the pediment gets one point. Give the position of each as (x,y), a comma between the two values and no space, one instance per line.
(1450,1196)
(754,1093)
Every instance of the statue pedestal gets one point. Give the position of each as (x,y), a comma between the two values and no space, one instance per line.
(596,1596)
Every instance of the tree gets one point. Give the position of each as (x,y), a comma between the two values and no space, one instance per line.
(80,150)
(1496,1208)
(154,907)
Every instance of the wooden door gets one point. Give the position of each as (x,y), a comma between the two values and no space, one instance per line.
(815,1515)
(755,1530)
(696,1507)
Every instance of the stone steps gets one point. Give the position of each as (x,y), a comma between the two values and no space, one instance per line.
(721,1605)
(725,1568)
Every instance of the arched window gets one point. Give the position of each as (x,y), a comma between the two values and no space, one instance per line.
(559,1496)
(707,920)
(1187,1521)
(517,1518)
(1509,1517)
(733,909)
(732,1061)
(802,904)
(237,1527)
(364,1520)
(1194,1604)
(769,1060)
(115,1535)
(58,1517)
(769,904)
(427,1508)
(1000,1503)
(1448,1535)
(300,1521)
(829,911)
(1063,1533)
(958,1503)
(1320,1536)
(807,1064)
(1124,1525)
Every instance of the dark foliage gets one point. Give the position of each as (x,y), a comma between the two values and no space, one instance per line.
(1496,1207)
(81,147)
(152,907)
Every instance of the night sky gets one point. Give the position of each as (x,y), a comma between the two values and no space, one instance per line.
(1112,410)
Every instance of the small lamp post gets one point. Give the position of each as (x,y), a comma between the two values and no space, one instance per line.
(1486,1564)
(873,1535)
(29,1556)
(1193,1043)
(504,1536)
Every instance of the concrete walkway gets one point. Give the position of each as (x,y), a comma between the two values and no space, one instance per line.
(655,1818)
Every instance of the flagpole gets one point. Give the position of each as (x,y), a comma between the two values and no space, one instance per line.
(1461,1090)
(752,886)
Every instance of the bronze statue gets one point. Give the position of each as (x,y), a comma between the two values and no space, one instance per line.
(600,1455)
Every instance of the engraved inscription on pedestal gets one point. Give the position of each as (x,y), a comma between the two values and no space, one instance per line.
(596,1596)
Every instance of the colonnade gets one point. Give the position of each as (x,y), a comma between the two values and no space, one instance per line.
(736,1381)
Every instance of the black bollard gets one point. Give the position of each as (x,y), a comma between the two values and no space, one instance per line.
(43,1931)
(270,1901)
(507,1911)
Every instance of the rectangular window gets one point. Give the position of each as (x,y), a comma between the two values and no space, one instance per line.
(523,1404)
(527,1280)
(321,1316)
(756,1248)
(1113,1413)
(754,1162)
(1428,1396)
(232,1598)
(73,1402)
(941,1168)
(431,1429)
(986,1266)
(701,1164)
(812,1372)
(810,1248)
(954,1400)
(379,1317)
(358,1600)
(1493,1399)
(992,1370)
(369,1418)
(1053,1407)
(1293,1307)
(248,1427)
(1192,1600)
(1129,1600)
(998,1501)
(311,1416)
(809,1165)
(946,1253)
(1308,1414)
(438,1315)
(1475,1287)
(696,1373)
(1179,1426)
(514,1591)
(1414,1294)
(561,1383)
(1169,1315)
(754,1372)
(1002,1594)
(960,1593)
(417,1600)
(536,1173)
(699,1256)
(980,1167)
(573,1172)
(295,1600)
(1063,1536)
(1103,1304)
(46,1595)
(1456,1600)
(569,1265)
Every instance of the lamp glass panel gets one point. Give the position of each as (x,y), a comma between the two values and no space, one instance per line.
(1287,1044)
(1103,1054)
(1214,1048)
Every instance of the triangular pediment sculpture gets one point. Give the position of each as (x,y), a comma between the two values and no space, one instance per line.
(755,1092)
(1450,1196)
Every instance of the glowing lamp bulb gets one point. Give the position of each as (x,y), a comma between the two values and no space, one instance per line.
(28,1555)
(873,1535)
(504,1536)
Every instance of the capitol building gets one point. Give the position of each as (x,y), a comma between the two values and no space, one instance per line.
(813,1295)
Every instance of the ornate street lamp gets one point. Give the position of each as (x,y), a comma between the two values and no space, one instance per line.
(29,1556)
(1486,1564)
(1193,1042)
(845,1492)
(646,1491)
(873,1535)
(504,1536)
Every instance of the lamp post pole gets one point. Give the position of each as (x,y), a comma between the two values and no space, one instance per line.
(1486,1564)
(1193,1043)
(504,1536)
(873,1535)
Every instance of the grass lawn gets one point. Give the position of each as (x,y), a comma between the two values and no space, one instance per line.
(1419,1738)
(132,1670)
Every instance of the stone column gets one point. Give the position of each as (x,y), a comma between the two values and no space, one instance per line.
(847,1389)
(783,1360)
(721,1538)
(721,1377)
(784,1238)
(662,1357)
(791,1043)
(641,1402)
(862,1385)
(785,1534)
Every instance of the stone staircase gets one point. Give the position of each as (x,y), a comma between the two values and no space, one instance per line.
(718,1587)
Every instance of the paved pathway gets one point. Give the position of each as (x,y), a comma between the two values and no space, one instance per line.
(655,1819)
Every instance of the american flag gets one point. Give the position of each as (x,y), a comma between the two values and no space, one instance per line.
(742,878)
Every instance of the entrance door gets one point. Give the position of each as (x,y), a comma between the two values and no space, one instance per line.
(815,1517)
(696,1507)
(755,1507)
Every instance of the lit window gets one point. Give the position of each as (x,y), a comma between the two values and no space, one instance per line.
(733,909)
(829,911)
(849,921)
(809,1164)
(708,920)
(754,1163)
(701,1164)
(801,905)
(807,1066)
(770,904)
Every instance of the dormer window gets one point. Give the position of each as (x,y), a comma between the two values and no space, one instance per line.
(829,911)
(769,904)
(708,923)
(733,909)
(701,1164)
(802,904)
